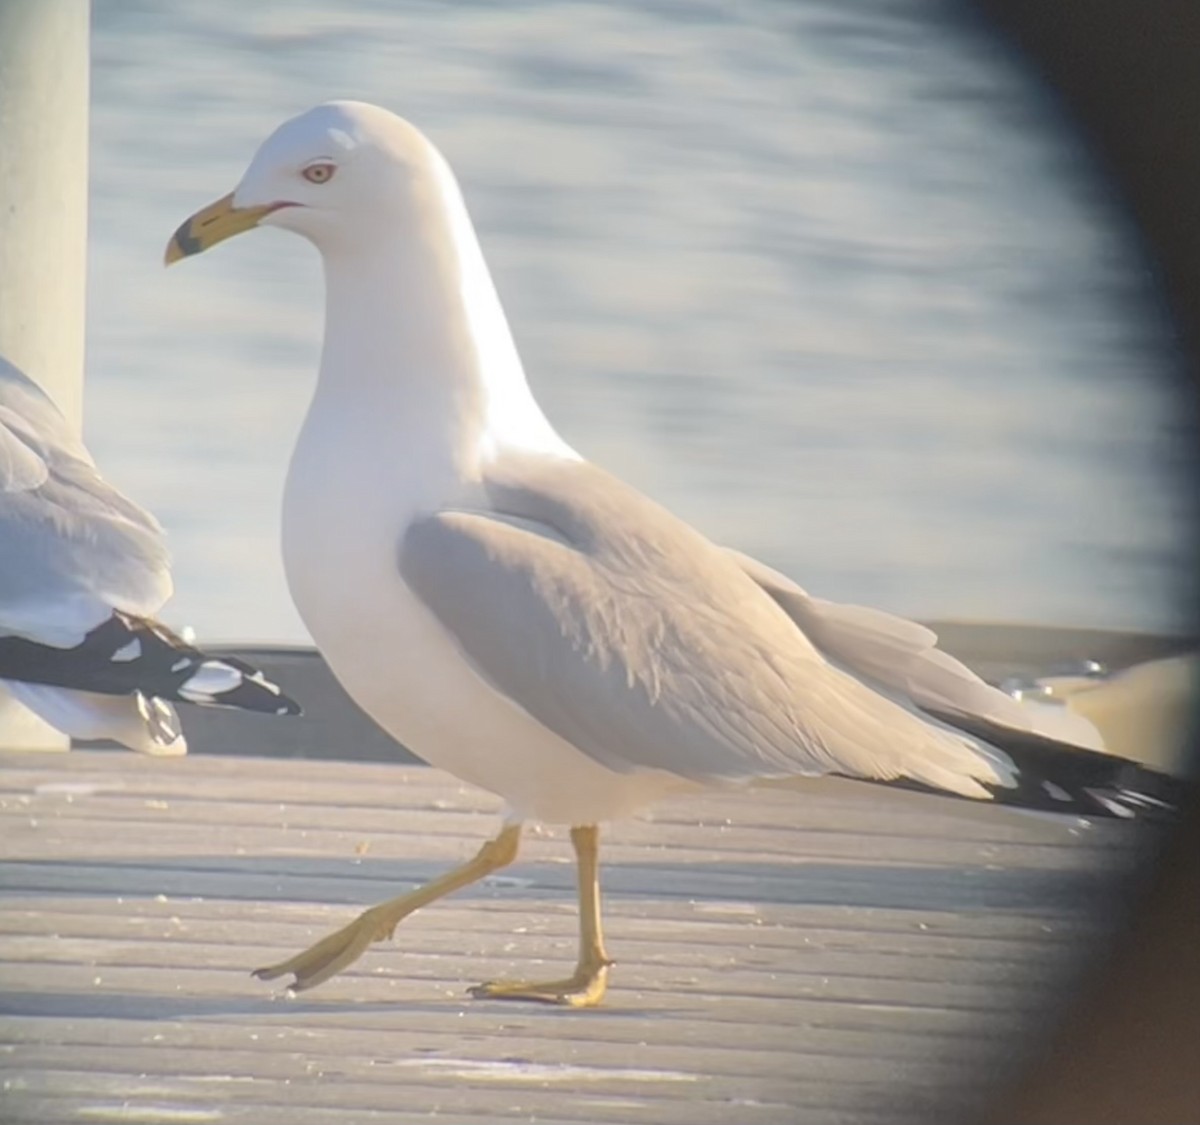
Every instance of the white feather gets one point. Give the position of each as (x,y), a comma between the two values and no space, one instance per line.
(149,726)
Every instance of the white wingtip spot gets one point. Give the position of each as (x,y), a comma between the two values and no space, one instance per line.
(212,679)
(1056,791)
(264,683)
(127,652)
(165,735)
(1114,807)
(1144,800)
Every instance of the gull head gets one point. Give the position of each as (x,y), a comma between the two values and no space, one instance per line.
(332,174)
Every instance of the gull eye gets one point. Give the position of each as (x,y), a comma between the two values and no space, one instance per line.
(319,173)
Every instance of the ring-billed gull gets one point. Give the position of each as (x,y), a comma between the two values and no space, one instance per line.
(83,571)
(524,620)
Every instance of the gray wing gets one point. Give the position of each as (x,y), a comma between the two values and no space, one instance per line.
(72,548)
(32,430)
(896,654)
(642,644)
(901,657)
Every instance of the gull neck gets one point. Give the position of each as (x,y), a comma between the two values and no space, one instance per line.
(414,326)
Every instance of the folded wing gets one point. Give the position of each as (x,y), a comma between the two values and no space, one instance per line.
(72,548)
(632,637)
(902,657)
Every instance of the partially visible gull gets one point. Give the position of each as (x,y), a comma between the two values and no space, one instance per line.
(530,623)
(83,571)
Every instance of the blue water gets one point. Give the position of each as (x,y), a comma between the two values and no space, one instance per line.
(832,281)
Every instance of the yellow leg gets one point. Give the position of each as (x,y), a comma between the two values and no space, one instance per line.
(333,953)
(586,986)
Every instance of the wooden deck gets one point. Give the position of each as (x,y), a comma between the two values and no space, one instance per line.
(782,956)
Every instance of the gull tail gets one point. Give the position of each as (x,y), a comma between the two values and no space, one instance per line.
(134,656)
(1058,777)
(144,724)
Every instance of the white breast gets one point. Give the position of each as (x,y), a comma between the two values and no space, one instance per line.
(346,505)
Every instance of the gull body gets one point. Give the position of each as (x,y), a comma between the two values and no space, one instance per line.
(83,572)
(515,615)
(423,436)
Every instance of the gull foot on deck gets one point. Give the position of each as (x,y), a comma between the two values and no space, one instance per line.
(332,953)
(584,989)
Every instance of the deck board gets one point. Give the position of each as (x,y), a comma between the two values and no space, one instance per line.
(781,955)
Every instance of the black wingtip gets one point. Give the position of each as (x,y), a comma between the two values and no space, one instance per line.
(131,655)
(229,681)
(1060,777)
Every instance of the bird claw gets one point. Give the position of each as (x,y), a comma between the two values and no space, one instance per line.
(584,989)
(330,955)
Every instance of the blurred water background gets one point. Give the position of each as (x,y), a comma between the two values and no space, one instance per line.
(830,280)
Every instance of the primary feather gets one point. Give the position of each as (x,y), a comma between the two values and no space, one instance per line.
(647,647)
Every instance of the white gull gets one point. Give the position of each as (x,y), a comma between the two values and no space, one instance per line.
(528,622)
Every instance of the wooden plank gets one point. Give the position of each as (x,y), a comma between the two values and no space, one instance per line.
(781,956)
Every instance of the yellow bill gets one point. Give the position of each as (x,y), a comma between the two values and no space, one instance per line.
(217,222)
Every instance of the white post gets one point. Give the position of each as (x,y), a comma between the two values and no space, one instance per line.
(43,224)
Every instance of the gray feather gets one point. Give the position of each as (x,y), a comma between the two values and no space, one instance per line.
(645,646)
(895,654)
(72,548)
